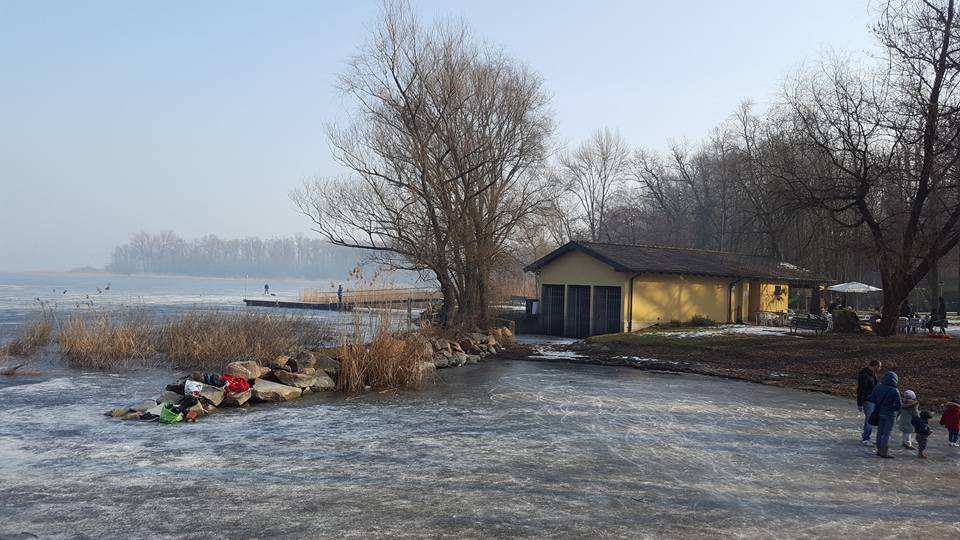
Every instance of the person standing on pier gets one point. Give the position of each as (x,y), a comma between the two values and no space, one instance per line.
(339,295)
(266,289)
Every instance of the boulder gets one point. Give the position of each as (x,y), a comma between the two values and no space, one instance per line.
(323,382)
(441,360)
(169,397)
(441,345)
(458,359)
(236,400)
(326,364)
(299,380)
(144,406)
(213,394)
(247,369)
(309,371)
(117,413)
(281,360)
(473,358)
(271,391)
(455,347)
(468,346)
(305,359)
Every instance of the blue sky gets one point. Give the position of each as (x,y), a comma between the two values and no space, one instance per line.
(199,117)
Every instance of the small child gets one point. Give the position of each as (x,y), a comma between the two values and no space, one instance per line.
(922,426)
(910,410)
(950,419)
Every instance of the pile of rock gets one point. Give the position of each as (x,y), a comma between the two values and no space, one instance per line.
(468,348)
(288,377)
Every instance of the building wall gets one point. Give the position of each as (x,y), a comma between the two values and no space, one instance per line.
(576,268)
(665,298)
(661,298)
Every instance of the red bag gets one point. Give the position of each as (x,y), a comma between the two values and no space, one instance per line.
(236,385)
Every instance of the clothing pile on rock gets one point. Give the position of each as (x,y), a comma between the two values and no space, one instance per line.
(186,399)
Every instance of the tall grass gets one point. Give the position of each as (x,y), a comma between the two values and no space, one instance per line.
(34,335)
(106,339)
(210,340)
(207,340)
(389,360)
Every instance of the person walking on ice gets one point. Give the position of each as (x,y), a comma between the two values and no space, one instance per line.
(266,289)
(886,400)
(866,381)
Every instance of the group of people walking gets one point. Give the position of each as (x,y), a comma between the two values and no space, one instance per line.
(884,407)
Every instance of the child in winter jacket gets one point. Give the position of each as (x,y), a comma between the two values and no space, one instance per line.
(950,419)
(910,409)
(922,426)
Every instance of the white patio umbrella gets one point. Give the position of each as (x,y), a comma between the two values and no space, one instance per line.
(853,287)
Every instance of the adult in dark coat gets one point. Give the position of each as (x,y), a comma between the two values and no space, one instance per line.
(886,401)
(866,381)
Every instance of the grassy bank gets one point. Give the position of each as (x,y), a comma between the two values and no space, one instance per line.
(827,363)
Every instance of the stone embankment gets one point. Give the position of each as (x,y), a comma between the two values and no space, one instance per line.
(290,377)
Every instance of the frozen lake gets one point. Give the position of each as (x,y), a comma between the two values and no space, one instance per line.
(157,296)
(518,449)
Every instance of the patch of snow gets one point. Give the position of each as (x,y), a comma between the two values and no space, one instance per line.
(548,354)
(727,329)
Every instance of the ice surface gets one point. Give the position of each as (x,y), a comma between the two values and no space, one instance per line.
(498,449)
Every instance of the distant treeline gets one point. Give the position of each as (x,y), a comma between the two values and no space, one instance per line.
(295,257)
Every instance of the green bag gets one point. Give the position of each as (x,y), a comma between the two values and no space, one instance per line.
(169,417)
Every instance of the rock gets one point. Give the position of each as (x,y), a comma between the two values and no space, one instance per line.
(496,331)
(133,416)
(273,366)
(441,345)
(427,368)
(271,391)
(446,353)
(323,383)
(169,397)
(236,400)
(455,347)
(247,369)
(305,391)
(458,359)
(468,346)
(309,371)
(212,393)
(506,332)
(326,364)
(156,410)
(473,358)
(144,406)
(117,413)
(293,366)
(491,341)
(281,360)
(305,359)
(440,360)
(299,380)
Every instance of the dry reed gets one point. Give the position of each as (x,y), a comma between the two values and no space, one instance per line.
(34,335)
(210,340)
(388,361)
(103,340)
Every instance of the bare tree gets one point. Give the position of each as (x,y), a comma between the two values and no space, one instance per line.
(892,142)
(445,155)
(593,174)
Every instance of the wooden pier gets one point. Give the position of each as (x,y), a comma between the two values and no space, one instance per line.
(336,306)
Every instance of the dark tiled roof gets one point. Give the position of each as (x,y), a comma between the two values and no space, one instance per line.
(670,260)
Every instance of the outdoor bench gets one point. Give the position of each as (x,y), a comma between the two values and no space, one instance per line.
(808,323)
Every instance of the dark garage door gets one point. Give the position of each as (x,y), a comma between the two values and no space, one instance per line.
(578,311)
(551,312)
(606,310)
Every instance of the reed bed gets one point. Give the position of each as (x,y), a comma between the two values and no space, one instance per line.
(106,339)
(388,361)
(34,335)
(210,340)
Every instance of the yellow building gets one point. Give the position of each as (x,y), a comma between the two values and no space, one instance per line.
(591,288)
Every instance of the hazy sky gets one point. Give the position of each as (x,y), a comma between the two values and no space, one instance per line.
(199,117)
